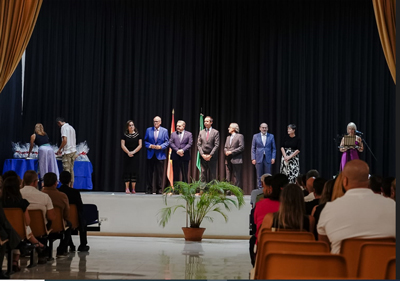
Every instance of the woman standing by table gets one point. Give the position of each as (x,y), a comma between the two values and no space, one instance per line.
(290,164)
(46,156)
(350,153)
(131,143)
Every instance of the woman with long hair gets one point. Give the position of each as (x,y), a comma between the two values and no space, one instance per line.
(131,143)
(292,212)
(46,157)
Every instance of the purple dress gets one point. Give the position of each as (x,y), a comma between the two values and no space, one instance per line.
(349,155)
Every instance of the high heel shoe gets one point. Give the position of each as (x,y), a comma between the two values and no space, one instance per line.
(133,191)
(127,191)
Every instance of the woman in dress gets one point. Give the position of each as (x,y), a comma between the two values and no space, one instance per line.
(46,156)
(350,153)
(131,143)
(292,212)
(290,165)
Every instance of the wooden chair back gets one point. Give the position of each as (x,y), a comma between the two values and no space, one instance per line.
(57,224)
(280,246)
(38,224)
(267,234)
(391,269)
(374,258)
(17,220)
(304,266)
(73,216)
(350,249)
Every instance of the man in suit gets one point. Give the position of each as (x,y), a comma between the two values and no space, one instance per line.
(180,142)
(234,147)
(263,152)
(156,141)
(207,144)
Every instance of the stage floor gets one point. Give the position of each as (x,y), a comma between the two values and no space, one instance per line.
(137,215)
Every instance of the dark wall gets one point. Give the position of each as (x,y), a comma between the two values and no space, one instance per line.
(318,64)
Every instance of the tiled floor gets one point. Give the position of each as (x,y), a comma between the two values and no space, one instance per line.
(147,258)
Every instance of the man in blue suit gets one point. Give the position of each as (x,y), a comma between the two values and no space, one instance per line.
(263,152)
(156,141)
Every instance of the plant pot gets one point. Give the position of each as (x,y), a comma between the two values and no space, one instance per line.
(193,234)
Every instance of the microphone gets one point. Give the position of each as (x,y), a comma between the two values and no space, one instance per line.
(359,133)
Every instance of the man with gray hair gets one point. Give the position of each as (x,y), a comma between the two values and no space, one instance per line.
(233,150)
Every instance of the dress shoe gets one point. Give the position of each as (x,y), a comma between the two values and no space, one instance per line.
(72,248)
(62,255)
(148,192)
(83,248)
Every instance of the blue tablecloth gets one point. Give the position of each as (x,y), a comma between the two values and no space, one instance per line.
(82,170)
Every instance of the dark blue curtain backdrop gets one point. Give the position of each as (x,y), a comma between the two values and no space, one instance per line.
(318,64)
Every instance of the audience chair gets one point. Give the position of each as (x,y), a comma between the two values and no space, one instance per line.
(38,224)
(350,249)
(91,214)
(281,246)
(73,216)
(57,229)
(304,266)
(391,269)
(17,220)
(374,258)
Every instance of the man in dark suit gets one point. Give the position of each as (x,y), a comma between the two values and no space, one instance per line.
(234,147)
(263,152)
(180,142)
(74,197)
(156,141)
(207,144)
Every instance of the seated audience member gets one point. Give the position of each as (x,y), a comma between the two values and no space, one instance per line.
(312,174)
(74,197)
(258,193)
(318,187)
(359,212)
(338,188)
(393,190)
(300,181)
(60,200)
(12,198)
(292,213)
(326,196)
(386,186)
(375,183)
(310,190)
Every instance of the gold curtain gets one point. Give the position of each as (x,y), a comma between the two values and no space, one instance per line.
(385,14)
(17,21)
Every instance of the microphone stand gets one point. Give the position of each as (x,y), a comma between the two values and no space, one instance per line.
(370,150)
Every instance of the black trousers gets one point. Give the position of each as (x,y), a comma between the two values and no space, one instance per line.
(208,170)
(82,228)
(234,171)
(154,165)
(180,167)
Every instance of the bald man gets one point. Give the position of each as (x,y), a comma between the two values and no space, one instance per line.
(359,212)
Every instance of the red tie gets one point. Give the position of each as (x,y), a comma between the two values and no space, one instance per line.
(208,133)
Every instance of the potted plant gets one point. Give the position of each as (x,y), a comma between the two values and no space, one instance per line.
(201,199)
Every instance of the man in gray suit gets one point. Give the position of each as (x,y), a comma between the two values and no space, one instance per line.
(234,147)
(207,144)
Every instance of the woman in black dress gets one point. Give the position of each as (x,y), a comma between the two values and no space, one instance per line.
(131,143)
(290,165)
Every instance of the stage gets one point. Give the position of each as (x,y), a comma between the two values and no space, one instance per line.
(137,215)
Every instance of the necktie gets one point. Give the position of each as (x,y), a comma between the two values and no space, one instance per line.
(208,134)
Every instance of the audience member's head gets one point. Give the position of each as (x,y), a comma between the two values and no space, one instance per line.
(338,189)
(318,186)
(375,183)
(355,174)
(262,178)
(30,178)
(300,181)
(279,181)
(386,186)
(310,184)
(11,191)
(292,207)
(312,173)
(9,174)
(49,179)
(393,190)
(271,192)
(65,177)
(327,192)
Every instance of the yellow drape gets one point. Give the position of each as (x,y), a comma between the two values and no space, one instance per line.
(17,21)
(385,14)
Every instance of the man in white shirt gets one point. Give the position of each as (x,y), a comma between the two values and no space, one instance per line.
(359,212)
(67,147)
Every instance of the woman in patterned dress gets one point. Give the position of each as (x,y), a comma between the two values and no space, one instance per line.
(290,165)
(131,143)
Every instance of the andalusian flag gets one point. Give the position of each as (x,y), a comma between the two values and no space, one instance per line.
(170,171)
(198,153)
